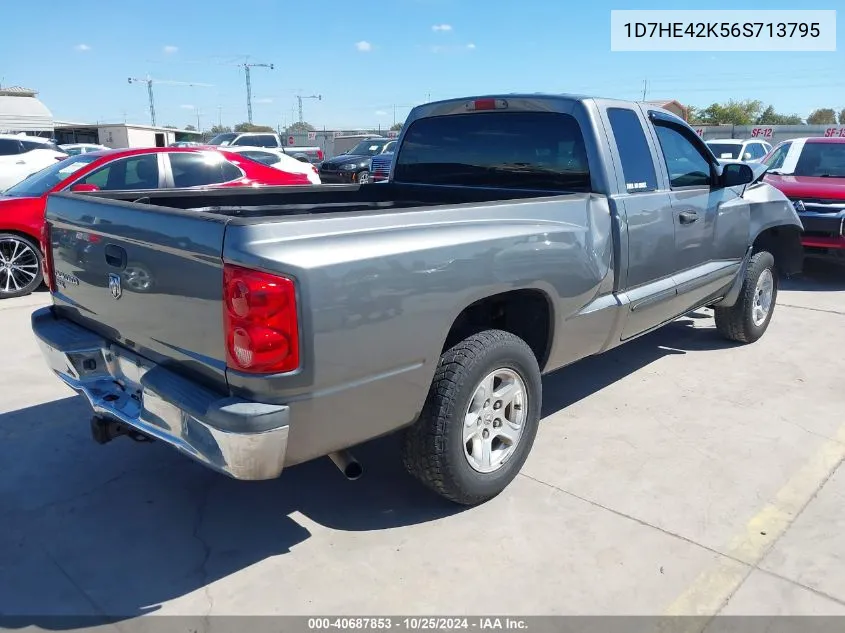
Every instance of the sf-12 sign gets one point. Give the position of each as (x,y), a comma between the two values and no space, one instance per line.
(762,132)
(835,131)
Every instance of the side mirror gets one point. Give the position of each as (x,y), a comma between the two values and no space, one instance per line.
(735,174)
(84,187)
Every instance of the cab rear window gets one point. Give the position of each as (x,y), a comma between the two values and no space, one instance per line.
(513,150)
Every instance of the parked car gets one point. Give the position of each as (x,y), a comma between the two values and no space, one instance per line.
(267,139)
(517,234)
(811,172)
(74,149)
(22,206)
(380,167)
(22,155)
(276,158)
(738,149)
(354,165)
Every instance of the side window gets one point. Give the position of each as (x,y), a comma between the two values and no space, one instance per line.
(265,140)
(266,158)
(195,169)
(686,165)
(776,158)
(135,172)
(756,150)
(9,147)
(637,164)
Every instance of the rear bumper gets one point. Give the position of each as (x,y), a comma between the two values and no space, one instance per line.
(243,439)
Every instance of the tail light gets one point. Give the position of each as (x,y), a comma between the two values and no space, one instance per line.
(259,321)
(487,104)
(47,257)
(320,154)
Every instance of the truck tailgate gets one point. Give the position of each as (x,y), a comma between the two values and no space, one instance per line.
(148,278)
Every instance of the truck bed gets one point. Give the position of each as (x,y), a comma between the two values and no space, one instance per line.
(276,201)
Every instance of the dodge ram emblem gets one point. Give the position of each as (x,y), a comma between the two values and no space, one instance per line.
(114,285)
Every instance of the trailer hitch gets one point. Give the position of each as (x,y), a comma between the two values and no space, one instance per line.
(104,430)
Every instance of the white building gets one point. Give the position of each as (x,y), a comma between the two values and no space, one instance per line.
(119,135)
(21,111)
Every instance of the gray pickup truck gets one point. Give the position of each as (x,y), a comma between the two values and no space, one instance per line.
(516,234)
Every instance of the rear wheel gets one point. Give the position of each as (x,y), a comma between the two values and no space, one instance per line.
(480,419)
(20,266)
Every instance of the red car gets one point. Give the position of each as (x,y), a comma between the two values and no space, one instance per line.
(811,173)
(22,206)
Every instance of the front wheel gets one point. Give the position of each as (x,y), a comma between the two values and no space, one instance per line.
(363,177)
(20,266)
(480,419)
(747,320)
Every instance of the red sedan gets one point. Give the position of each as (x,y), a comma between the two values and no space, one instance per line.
(22,206)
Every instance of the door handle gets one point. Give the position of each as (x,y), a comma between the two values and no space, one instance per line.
(21,162)
(687,217)
(115,256)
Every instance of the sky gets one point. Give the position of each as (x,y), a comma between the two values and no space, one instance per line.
(372,61)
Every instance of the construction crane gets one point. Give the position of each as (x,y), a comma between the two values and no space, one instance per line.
(246,66)
(299,98)
(150,81)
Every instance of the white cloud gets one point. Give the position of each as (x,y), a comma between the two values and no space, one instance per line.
(82,47)
(381,113)
(441,27)
(186,106)
(170,49)
(471,46)
(364,46)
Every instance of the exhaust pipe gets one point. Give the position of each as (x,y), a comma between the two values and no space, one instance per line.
(347,464)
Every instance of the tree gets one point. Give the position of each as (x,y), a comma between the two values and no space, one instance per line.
(842,115)
(249,127)
(822,116)
(191,128)
(300,127)
(220,129)
(733,112)
(396,127)
(770,117)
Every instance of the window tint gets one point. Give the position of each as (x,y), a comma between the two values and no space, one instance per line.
(821,159)
(686,165)
(756,150)
(637,164)
(28,146)
(257,140)
(135,172)
(266,158)
(520,150)
(195,169)
(775,160)
(725,150)
(9,147)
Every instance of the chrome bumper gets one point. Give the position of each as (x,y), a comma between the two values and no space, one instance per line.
(245,440)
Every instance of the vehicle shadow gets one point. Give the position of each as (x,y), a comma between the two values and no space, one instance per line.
(817,276)
(138,526)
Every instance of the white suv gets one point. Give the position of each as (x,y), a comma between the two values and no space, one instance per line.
(22,155)
(737,149)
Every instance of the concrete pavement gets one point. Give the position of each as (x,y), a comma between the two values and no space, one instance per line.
(677,474)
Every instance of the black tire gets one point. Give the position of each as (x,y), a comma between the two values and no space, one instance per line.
(736,323)
(433,448)
(17,282)
(363,177)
